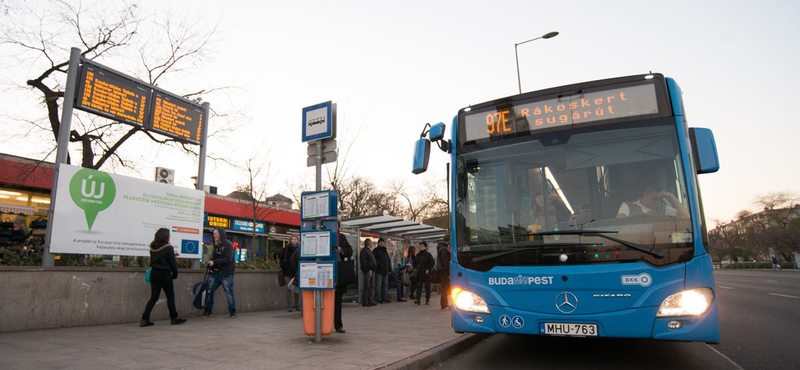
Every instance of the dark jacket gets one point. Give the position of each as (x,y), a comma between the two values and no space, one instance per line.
(163,258)
(289,269)
(346,254)
(443,258)
(382,260)
(223,256)
(424,263)
(366,260)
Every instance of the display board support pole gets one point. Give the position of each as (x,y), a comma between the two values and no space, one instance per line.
(48,259)
(201,170)
(318,293)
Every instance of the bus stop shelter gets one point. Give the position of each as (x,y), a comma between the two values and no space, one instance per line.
(400,232)
(392,226)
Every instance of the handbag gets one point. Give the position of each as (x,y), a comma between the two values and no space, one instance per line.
(281,278)
(347,272)
(147,275)
(434,276)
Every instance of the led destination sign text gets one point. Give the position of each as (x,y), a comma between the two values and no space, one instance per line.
(115,96)
(507,120)
(175,117)
(112,96)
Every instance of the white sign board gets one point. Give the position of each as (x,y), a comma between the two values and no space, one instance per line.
(316,275)
(316,205)
(102,213)
(315,244)
(319,122)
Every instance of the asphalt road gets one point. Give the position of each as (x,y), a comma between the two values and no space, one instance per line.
(759,319)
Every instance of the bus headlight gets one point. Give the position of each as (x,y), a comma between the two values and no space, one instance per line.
(468,301)
(693,302)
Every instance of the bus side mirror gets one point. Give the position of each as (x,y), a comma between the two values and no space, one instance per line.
(437,132)
(422,152)
(705,150)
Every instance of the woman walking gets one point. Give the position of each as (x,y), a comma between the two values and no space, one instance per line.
(164,270)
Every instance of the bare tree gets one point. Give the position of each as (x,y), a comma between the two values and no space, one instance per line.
(255,192)
(777,226)
(101,29)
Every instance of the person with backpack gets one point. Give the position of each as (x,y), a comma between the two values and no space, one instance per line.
(164,270)
(223,266)
(443,269)
(289,271)
(423,263)
(366,259)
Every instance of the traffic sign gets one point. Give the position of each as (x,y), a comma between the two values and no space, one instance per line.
(319,121)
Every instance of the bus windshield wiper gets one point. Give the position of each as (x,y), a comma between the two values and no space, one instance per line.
(602,234)
(525,248)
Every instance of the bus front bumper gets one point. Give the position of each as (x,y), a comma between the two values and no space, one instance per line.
(630,323)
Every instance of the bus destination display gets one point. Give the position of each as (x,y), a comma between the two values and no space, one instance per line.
(175,117)
(113,96)
(508,120)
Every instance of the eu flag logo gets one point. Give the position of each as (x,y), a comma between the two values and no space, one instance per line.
(189,246)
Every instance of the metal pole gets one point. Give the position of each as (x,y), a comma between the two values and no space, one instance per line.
(516,56)
(318,293)
(48,259)
(201,170)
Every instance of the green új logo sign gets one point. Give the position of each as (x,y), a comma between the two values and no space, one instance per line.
(93,191)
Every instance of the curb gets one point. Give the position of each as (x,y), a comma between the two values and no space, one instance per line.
(436,354)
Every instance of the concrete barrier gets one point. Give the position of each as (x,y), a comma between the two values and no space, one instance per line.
(54,297)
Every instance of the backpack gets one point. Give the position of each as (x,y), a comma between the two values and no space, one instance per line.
(200,291)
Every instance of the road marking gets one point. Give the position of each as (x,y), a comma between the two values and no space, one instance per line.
(784,295)
(724,287)
(725,357)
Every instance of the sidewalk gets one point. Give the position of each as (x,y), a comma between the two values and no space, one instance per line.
(376,337)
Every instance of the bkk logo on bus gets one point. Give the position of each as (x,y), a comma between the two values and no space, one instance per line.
(521,280)
(92,191)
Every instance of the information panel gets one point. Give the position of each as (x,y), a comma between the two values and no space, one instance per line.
(316,275)
(112,95)
(318,204)
(316,244)
(176,117)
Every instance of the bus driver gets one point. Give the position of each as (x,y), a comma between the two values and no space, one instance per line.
(654,202)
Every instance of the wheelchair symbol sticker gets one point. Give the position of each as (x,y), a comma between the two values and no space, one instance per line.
(505,321)
(517,322)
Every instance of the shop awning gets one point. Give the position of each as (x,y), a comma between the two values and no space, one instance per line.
(20,210)
(395,226)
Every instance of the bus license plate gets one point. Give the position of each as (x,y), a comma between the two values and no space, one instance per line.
(568,329)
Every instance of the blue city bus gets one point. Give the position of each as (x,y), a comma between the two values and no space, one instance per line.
(576,211)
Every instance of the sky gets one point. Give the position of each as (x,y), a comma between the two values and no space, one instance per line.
(391,67)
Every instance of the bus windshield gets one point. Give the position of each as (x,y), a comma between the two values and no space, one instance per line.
(537,193)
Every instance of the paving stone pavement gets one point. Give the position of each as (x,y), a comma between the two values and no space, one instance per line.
(376,337)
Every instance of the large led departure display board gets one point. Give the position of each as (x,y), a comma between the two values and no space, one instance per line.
(112,95)
(176,117)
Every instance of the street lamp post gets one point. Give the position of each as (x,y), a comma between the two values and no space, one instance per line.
(516,54)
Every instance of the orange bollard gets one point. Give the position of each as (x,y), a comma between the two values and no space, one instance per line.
(328,297)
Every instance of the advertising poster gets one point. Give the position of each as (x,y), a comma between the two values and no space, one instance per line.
(101,213)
